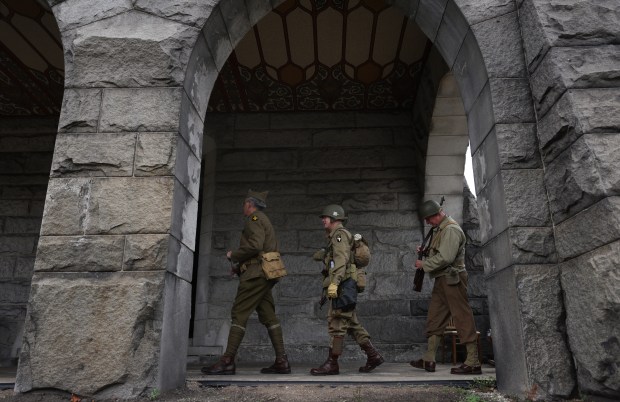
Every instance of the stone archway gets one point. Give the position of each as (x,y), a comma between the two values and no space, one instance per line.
(130,233)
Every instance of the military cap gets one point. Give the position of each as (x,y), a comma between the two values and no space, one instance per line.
(259,197)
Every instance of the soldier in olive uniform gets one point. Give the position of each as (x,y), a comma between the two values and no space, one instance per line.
(446,264)
(254,291)
(339,267)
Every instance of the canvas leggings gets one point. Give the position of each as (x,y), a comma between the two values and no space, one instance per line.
(341,323)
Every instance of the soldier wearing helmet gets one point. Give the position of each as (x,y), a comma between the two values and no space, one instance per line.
(340,271)
(446,264)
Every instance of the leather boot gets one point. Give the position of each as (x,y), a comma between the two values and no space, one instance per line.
(224,366)
(330,367)
(374,357)
(280,366)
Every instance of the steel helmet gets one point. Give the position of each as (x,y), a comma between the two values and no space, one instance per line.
(335,212)
(429,208)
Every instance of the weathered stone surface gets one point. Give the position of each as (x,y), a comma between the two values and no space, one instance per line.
(517,145)
(153,109)
(583,174)
(200,77)
(590,284)
(451,33)
(470,71)
(492,210)
(79,253)
(156,154)
(512,100)
(132,49)
(506,323)
(476,11)
(236,18)
(94,155)
(190,12)
(499,39)
(187,168)
(560,23)
(105,206)
(184,216)
(217,38)
(574,67)
(191,127)
(582,232)
(542,314)
(146,252)
(429,15)
(525,197)
(118,313)
(17,245)
(80,110)
(519,246)
(578,112)
(74,13)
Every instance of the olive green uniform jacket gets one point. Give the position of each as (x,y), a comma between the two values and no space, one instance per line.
(447,250)
(257,236)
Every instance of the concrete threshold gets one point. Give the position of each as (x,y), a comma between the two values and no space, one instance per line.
(387,374)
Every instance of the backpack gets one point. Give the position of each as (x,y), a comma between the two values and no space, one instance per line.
(361,251)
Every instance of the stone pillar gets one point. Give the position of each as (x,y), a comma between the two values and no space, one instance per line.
(108,314)
(572,54)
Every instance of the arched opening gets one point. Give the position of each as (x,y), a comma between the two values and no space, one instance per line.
(307,107)
(31,88)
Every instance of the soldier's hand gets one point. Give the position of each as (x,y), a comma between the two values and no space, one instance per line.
(319,255)
(332,291)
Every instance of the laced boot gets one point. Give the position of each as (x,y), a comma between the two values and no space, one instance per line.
(374,357)
(224,366)
(330,367)
(280,366)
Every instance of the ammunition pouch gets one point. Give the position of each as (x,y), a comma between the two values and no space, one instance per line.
(272,265)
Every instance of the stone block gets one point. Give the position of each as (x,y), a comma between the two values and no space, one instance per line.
(120,313)
(13,245)
(191,127)
(187,168)
(353,137)
(499,39)
(184,216)
(408,7)
(22,225)
(481,118)
(251,121)
(200,77)
(565,68)
(25,163)
(389,286)
(429,16)
(517,145)
(451,33)
(94,155)
(396,329)
(525,196)
(14,207)
(447,144)
(236,18)
(581,233)
(583,174)
(190,12)
(301,287)
(443,185)
(79,254)
(272,139)
(548,24)
(485,161)
(476,11)
(448,106)
(153,109)
(156,154)
(257,160)
(519,245)
(491,207)
(542,314)
(470,70)
(370,120)
(14,291)
(283,121)
(132,49)
(366,202)
(302,264)
(578,112)
(506,326)
(512,100)
(108,206)
(145,252)
(71,14)
(449,125)
(445,165)
(80,110)
(590,284)
(217,38)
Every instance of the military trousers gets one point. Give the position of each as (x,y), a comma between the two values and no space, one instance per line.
(451,301)
(254,295)
(341,323)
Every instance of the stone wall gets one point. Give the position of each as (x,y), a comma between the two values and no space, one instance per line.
(366,162)
(26,147)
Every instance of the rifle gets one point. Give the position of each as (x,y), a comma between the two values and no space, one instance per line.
(418,279)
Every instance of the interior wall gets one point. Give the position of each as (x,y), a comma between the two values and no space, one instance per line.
(26,149)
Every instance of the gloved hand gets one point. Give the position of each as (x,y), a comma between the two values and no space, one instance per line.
(332,291)
(319,255)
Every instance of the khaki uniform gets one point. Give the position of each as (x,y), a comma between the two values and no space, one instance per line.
(446,264)
(254,291)
(339,252)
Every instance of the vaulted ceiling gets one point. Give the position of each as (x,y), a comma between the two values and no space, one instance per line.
(319,55)
(31,60)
